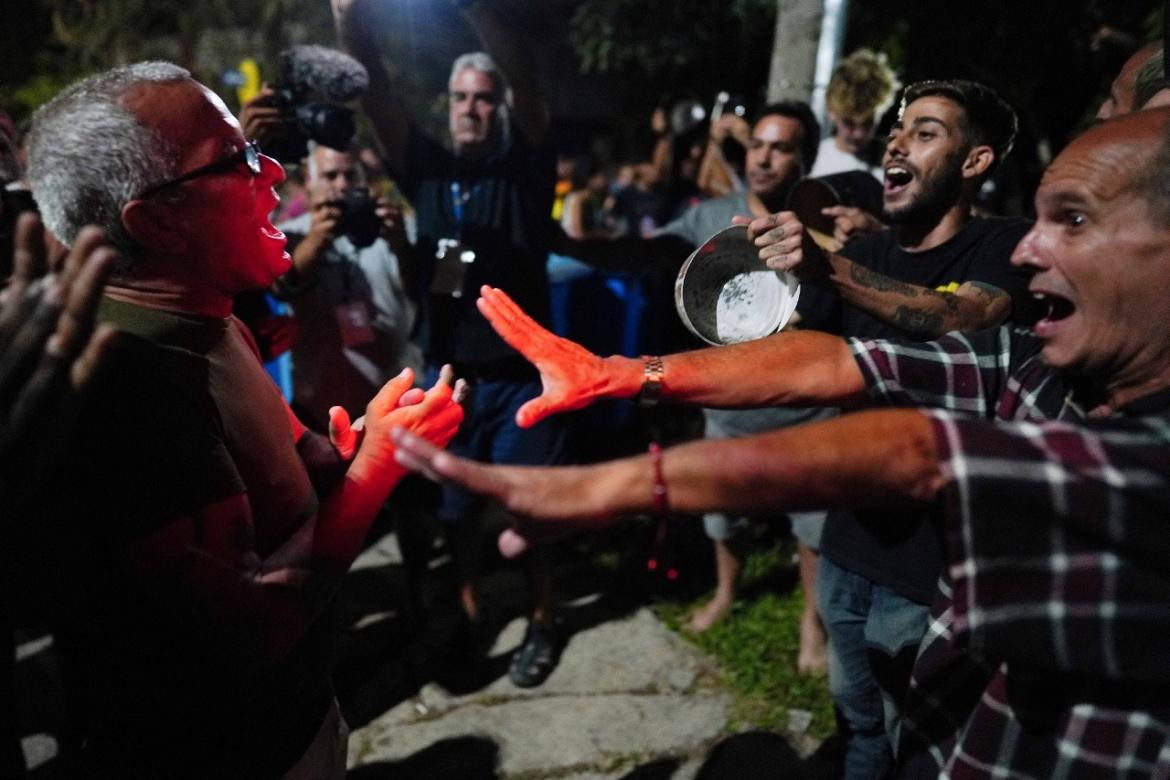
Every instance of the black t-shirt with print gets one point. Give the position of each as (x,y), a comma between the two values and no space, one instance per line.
(901,549)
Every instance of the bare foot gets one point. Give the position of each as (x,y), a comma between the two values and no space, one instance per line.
(813,657)
(708,615)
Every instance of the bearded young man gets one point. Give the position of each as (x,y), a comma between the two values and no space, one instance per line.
(937,269)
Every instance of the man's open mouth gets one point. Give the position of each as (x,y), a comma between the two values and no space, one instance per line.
(897,177)
(269,231)
(1053,308)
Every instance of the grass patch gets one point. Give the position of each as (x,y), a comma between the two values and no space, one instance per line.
(757,643)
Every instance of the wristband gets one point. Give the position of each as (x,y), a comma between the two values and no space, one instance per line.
(652,373)
(658,490)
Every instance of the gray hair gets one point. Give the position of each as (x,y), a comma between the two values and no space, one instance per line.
(1150,80)
(483,62)
(88,155)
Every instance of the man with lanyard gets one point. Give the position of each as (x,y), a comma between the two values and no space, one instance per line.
(1044,452)
(482,219)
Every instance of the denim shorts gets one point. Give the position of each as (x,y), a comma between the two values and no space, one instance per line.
(489,434)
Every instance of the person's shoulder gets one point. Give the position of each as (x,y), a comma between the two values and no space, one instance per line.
(704,219)
(422,149)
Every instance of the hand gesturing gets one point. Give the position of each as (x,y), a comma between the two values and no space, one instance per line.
(49,349)
(572,377)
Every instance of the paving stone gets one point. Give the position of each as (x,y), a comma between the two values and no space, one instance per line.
(635,653)
(558,733)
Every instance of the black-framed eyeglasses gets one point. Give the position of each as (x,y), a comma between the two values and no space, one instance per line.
(248,155)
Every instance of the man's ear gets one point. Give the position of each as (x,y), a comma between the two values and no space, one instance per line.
(979,159)
(151,225)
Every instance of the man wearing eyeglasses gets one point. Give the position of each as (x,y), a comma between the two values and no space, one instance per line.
(483,218)
(204,531)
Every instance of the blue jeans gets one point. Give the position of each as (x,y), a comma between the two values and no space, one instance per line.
(489,434)
(873,637)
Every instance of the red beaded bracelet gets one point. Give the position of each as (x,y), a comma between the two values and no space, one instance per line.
(658,492)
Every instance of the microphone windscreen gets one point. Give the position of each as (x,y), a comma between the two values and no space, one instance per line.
(335,75)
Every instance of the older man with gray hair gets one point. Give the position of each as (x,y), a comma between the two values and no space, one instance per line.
(195,557)
(483,218)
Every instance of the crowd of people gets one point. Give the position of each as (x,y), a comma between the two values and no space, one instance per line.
(967,422)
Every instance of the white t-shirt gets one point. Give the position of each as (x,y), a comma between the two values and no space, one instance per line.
(832,160)
(326,371)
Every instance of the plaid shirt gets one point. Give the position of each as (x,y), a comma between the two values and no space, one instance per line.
(1048,651)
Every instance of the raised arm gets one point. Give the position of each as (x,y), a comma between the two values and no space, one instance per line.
(49,350)
(796,368)
(355,32)
(919,311)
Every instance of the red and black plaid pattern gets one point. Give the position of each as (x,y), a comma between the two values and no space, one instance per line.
(1048,652)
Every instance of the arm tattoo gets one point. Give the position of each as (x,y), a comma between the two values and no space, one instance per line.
(950,300)
(918,322)
(987,292)
(875,281)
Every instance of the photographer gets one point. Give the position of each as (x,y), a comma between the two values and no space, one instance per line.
(483,218)
(346,289)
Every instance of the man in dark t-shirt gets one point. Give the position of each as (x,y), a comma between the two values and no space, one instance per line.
(483,219)
(937,269)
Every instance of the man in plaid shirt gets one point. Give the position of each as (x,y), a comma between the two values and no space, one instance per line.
(1046,452)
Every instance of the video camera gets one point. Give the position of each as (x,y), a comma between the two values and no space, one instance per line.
(359,220)
(309,71)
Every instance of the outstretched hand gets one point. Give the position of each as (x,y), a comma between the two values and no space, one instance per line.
(49,349)
(785,245)
(550,502)
(572,377)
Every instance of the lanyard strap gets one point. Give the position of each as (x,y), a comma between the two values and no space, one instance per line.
(459,200)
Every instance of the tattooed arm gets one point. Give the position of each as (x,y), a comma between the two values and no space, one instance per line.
(919,311)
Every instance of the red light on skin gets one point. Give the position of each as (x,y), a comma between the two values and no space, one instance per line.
(652,564)
(672,574)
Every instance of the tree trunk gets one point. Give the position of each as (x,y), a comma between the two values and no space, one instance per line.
(794,51)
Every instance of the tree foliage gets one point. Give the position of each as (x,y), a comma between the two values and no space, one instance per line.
(208,37)
(705,44)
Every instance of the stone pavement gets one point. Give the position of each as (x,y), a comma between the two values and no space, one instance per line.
(625,693)
(629,698)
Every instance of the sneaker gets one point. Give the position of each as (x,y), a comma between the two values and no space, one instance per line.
(537,657)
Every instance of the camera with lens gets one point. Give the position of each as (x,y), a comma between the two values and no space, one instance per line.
(307,72)
(359,219)
(329,125)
